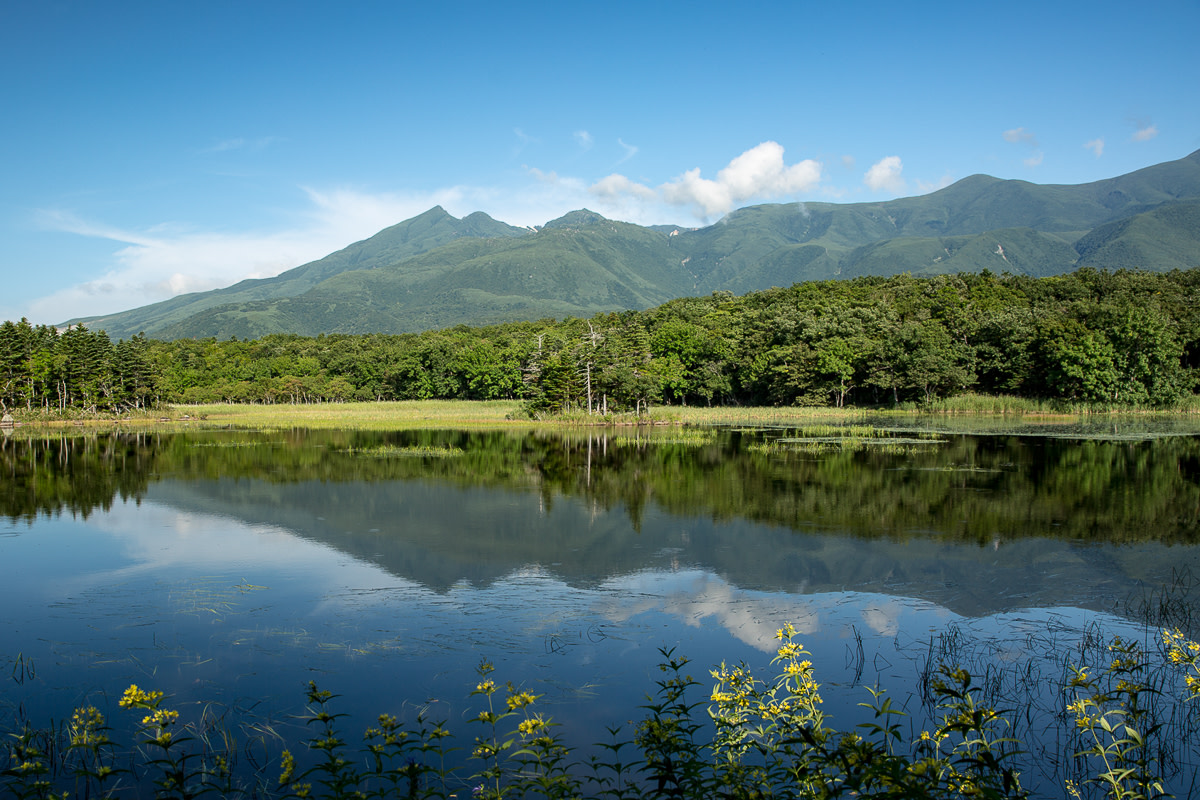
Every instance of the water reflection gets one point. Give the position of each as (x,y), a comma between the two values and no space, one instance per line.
(234,567)
(438,535)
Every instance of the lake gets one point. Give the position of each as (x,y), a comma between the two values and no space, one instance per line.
(229,568)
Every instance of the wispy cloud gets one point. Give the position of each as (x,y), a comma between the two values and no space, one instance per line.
(240,143)
(630,151)
(584,139)
(924,187)
(523,140)
(539,175)
(1020,136)
(886,175)
(1145,133)
(1096,146)
(1024,137)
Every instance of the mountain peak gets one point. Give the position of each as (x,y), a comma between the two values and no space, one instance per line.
(437,212)
(575,219)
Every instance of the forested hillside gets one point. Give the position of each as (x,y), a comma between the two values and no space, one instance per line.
(1126,337)
(434,271)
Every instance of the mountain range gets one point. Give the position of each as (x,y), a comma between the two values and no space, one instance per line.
(435,270)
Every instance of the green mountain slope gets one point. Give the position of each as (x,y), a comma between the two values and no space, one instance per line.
(428,231)
(436,271)
(1168,234)
(773,244)
(576,265)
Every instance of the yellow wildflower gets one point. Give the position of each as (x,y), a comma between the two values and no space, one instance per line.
(515,701)
(287,768)
(160,717)
(531,725)
(135,697)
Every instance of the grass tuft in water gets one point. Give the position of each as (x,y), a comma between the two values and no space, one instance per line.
(414,451)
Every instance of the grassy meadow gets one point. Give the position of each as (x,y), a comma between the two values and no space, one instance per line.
(476,414)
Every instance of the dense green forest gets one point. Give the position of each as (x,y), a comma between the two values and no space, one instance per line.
(1125,337)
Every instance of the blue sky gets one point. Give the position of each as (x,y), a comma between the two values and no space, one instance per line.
(153,148)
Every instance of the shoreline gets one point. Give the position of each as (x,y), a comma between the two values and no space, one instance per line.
(478,414)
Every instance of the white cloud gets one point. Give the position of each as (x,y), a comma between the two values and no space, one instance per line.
(615,186)
(584,139)
(1035,159)
(619,197)
(1020,136)
(1096,146)
(758,173)
(1145,133)
(885,176)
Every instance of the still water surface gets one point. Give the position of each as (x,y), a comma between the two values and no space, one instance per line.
(229,568)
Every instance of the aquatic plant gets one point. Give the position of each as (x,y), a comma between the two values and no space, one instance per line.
(751,737)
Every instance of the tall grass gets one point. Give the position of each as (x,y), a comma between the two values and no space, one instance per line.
(1010,405)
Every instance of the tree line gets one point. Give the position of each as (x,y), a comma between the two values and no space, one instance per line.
(1125,337)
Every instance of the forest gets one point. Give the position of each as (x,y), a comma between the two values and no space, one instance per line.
(1129,338)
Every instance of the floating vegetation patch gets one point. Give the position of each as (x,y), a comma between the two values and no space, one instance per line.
(829,438)
(837,431)
(234,443)
(685,436)
(414,451)
(208,597)
(1097,427)
(953,468)
(873,441)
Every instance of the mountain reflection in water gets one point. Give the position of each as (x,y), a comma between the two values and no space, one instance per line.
(223,566)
